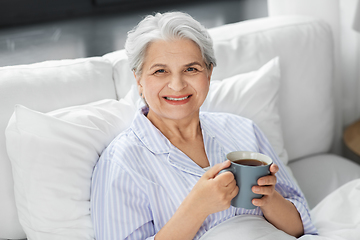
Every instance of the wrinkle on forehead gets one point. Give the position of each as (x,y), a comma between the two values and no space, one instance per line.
(177,49)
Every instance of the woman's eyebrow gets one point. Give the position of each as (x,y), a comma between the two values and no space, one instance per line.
(158,65)
(192,64)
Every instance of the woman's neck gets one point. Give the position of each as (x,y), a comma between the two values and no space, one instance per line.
(177,129)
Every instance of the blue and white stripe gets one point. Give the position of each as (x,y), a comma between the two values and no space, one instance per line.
(141,178)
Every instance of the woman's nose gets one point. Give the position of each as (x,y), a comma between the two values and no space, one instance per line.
(177,83)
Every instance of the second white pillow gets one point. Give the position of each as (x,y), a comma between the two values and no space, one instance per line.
(253,95)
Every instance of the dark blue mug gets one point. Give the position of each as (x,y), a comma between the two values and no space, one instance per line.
(247,168)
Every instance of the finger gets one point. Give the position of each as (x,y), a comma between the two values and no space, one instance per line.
(268,190)
(259,202)
(225,178)
(234,192)
(267,180)
(231,185)
(274,168)
(212,172)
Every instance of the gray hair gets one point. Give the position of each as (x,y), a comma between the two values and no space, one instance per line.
(167,26)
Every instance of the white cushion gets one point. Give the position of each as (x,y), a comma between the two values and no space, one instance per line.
(304,46)
(44,87)
(321,174)
(52,158)
(123,76)
(253,95)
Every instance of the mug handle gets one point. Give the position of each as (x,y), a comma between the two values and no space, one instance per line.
(229,169)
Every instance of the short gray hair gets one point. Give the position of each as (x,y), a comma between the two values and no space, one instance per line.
(167,26)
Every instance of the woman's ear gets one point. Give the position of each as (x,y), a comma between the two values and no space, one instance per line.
(210,70)
(138,83)
(135,76)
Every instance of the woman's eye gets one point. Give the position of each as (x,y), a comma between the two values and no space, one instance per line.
(191,69)
(159,71)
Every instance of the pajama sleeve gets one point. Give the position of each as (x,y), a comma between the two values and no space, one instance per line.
(120,209)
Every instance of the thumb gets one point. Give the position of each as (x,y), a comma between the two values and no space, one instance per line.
(212,172)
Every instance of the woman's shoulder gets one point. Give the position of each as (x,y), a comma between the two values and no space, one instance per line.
(124,138)
(127,139)
(123,144)
(224,118)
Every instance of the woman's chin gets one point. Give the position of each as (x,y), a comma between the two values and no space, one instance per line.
(176,114)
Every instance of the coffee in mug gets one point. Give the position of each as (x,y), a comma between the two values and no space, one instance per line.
(250,162)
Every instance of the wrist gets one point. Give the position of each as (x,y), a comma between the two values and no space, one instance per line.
(184,224)
(273,203)
(195,208)
(283,215)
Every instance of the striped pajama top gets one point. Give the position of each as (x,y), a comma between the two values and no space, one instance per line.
(141,178)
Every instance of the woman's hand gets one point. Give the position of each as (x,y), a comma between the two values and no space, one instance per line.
(213,192)
(266,187)
(276,209)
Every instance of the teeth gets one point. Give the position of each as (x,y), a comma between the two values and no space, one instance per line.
(177,99)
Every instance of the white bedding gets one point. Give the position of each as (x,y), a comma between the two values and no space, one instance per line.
(337,217)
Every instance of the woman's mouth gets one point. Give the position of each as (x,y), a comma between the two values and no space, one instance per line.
(177,100)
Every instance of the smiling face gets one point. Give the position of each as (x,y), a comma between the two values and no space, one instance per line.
(174,79)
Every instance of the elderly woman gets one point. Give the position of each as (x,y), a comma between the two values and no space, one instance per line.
(151,182)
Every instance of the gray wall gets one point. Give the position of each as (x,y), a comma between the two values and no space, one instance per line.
(20,12)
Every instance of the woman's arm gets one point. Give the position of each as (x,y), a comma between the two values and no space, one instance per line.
(119,209)
(212,193)
(288,205)
(277,210)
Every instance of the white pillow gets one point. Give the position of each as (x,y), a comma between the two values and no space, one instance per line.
(52,158)
(249,227)
(253,95)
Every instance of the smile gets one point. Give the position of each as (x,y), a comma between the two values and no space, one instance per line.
(177,99)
